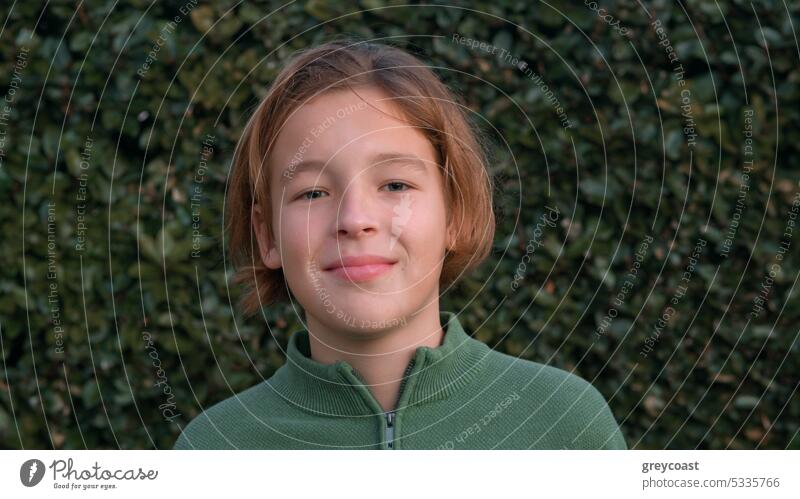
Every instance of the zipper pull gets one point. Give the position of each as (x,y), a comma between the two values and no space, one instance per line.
(390,430)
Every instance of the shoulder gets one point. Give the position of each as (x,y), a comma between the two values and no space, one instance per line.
(574,411)
(226,423)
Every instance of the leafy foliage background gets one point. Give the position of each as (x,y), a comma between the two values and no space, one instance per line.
(716,378)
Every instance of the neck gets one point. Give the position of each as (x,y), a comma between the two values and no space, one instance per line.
(379,355)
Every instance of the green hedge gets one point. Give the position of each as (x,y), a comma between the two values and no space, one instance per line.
(104,172)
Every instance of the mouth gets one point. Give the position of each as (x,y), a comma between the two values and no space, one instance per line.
(360,268)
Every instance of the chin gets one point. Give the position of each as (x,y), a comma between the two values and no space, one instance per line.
(366,315)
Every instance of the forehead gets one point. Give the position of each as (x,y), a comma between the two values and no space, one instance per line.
(347,125)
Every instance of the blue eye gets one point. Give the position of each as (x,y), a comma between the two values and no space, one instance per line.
(399,184)
(305,195)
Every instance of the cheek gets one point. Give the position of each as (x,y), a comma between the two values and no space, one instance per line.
(294,254)
(298,234)
(426,229)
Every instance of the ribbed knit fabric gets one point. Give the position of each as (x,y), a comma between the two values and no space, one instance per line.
(460,395)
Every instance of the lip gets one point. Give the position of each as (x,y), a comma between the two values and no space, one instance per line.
(359,268)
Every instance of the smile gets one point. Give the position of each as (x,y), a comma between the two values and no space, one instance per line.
(360,273)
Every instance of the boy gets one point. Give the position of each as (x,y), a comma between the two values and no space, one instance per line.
(360,192)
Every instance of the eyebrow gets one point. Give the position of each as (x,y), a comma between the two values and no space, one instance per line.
(380,159)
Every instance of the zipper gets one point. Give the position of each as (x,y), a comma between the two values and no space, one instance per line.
(390,415)
(390,430)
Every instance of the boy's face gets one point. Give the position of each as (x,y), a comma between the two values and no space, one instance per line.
(348,182)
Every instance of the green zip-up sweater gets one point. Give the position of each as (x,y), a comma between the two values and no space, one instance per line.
(460,395)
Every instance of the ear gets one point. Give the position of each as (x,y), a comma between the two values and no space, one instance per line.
(268,251)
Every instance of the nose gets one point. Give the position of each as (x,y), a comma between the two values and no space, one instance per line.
(356,216)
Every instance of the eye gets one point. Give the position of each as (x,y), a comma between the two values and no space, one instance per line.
(397,184)
(305,195)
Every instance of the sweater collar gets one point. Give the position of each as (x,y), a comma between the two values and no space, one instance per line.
(336,390)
